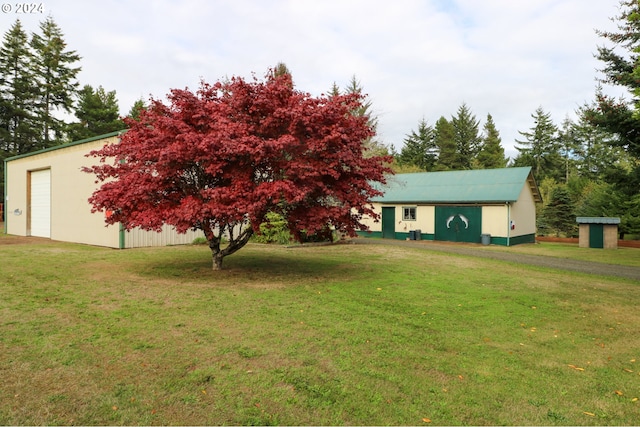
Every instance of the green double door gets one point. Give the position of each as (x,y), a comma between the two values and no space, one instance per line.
(458,223)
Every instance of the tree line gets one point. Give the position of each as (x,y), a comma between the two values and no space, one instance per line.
(589,166)
(41,101)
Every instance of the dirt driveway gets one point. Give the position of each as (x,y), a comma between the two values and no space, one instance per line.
(627,272)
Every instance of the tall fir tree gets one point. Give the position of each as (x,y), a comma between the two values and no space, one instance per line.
(569,145)
(446,143)
(136,109)
(598,151)
(373,146)
(18,94)
(97,113)
(491,153)
(539,149)
(621,59)
(467,137)
(558,216)
(55,73)
(419,148)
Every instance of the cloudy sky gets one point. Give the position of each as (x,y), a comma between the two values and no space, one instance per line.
(414,58)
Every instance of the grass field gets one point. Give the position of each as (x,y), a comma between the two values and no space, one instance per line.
(343,334)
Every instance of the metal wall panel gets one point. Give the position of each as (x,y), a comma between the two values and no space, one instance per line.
(138,238)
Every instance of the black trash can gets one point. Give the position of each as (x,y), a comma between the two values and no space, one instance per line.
(412,235)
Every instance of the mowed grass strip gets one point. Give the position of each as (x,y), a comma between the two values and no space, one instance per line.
(328,335)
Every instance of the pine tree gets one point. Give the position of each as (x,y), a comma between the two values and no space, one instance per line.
(598,151)
(419,148)
(373,147)
(558,215)
(56,77)
(491,153)
(467,137)
(97,112)
(568,145)
(446,143)
(18,94)
(540,148)
(334,91)
(621,59)
(136,109)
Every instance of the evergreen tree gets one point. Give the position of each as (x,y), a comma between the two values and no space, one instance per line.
(334,91)
(444,138)
(558,215)
(466,128)
(55,75)
(446,145)
(569,147)
(281,69)
(373,147)
(18,94)
(97,113)
(491,153)
(540,147)
(136,109)
(597,152)
(419,148)
(622,68)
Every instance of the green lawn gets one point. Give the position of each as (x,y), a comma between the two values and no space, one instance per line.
(619,256)
(344,334)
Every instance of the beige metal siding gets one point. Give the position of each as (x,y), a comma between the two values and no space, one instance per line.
(495,220)
(71,217)
(369,222)
(523,214)
(425,220)
(138,238)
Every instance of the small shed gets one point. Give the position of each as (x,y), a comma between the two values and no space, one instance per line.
(46,195)
(598,232)
(489,206)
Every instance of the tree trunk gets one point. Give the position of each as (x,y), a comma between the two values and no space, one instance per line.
(217,260)
(217,254)
(235,243)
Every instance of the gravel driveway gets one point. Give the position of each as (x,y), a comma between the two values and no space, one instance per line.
(627,272)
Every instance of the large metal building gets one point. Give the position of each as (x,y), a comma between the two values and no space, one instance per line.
(46,195)
(491,206)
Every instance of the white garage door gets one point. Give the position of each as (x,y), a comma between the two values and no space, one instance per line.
(41,203)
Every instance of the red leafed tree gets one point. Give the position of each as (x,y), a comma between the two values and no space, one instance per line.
(220,159)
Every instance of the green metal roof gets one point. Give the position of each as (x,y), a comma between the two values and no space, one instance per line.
(597,220)
(466,186)
(69,144)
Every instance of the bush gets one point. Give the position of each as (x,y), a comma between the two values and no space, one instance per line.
(200,241)
(273,230)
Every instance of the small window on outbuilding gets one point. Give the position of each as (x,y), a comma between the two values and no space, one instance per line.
(408,213)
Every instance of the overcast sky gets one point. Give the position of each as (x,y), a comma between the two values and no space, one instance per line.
(414,58)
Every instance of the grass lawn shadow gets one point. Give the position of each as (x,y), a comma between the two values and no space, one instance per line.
(252,266)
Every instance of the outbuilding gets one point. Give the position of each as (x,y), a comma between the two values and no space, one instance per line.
(598,232)
(489,206)
(46,195)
